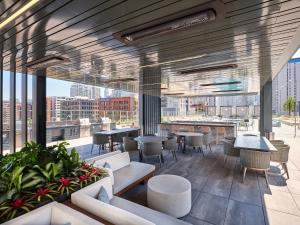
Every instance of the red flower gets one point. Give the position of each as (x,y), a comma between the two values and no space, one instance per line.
(18,203)
(83,177)
(42,192)
(65,181)
(86,166)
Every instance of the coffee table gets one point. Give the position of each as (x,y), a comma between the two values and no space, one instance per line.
(170,194)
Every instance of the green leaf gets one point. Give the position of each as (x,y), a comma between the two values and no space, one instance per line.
(34,182)
(44,172)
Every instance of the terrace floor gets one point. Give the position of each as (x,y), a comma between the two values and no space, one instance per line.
(219,196)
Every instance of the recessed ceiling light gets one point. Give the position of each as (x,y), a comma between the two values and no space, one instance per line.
(17,13)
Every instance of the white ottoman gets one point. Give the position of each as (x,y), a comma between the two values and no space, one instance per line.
(169,194)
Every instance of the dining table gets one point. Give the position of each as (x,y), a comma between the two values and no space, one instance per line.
(149,139)
(111,133)
(187,134)
(253,142)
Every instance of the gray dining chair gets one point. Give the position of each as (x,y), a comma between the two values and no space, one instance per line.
(229,150)
(117,140)
(195,142)
(129,144)
(207,140)
(152,149)
(256,160)
(171,146)
(281,156)
(100,140)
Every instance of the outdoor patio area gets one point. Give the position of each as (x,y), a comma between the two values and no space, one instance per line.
(218,194)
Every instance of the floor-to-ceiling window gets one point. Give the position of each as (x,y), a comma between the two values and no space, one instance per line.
(76,111)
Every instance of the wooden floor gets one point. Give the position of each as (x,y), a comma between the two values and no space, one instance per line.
(220,198)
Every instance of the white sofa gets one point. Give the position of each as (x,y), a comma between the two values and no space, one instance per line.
(126,174)
(119,211)
(53,214)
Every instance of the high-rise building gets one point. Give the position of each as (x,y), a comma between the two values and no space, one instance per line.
(286,84)
(82,90)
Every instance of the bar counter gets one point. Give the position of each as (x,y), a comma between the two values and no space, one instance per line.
(218,129)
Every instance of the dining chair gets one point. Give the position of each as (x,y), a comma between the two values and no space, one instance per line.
(101,141)
(281,156)
(179,140)
(152,149)
(221,132)
(257,160)
(229,150)
(130,145)
(171,146)
(117,140)
(195,142)
(207,140)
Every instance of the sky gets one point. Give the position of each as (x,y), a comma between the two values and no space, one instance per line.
(54,87)
(297,54)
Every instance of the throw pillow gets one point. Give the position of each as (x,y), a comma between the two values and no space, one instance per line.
(106,165)
(103,196)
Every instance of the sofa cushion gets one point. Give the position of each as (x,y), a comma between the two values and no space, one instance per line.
(94,159)
(147,213)
(53,214)
(103,196)
(107,212)
(116,161)
(129,174)
(93,189)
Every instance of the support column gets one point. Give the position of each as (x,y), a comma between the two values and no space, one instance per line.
(149,99)
(39,107)
(266,108)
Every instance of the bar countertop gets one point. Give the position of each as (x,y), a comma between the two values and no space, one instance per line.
(202,123)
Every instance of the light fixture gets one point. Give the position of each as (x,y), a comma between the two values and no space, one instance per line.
(17,13)
(118,80)
(46,61)
(172,94)
(221,83)
(170,26)
(184,19)
(210,68)
(229,90)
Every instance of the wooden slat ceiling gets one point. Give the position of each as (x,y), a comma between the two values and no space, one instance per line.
(253,35)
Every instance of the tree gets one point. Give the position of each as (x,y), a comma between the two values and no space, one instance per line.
(289,105)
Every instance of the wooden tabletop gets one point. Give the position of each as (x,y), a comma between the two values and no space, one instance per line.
(147,139)
(117,131)
(257,143)
(188,134)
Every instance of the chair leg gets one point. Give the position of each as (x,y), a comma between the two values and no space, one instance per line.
(266,176)
(201,150)
(244,173)
(92,148)
(175,156)
(225,159)
(286,170)
(159,160)
(209,147)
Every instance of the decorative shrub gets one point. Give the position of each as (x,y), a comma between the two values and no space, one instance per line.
(36,175)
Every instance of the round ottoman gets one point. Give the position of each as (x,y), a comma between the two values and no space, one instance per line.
(169,194)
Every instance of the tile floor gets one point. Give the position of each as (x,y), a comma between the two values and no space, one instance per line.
(219,196)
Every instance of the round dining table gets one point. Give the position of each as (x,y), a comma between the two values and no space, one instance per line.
(149,139)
